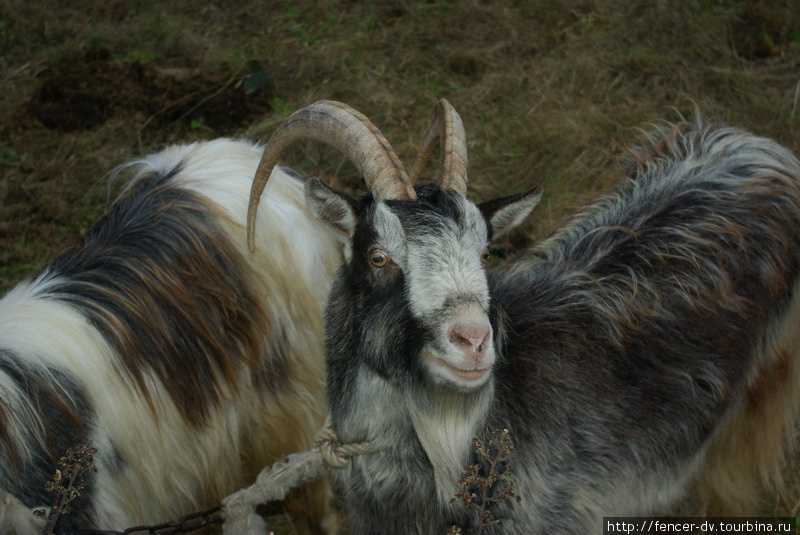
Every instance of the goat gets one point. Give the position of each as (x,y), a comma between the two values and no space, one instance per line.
(186,361)
(649,345)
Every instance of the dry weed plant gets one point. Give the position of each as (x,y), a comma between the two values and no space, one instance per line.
(487,482)
(67,483)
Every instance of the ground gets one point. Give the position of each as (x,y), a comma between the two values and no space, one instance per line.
(551,92)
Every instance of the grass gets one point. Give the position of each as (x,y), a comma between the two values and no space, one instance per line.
(551,92)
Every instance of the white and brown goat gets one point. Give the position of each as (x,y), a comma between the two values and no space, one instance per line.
(187,361)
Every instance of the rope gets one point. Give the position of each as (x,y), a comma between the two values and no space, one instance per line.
(274,482)
(335,454)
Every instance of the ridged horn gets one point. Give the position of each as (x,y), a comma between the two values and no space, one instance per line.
(447,128)
(351,133)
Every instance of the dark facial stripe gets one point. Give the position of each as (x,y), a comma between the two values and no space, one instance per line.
(158,278)
(432,207)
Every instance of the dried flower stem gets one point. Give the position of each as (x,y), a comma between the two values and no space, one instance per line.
(495,453)
(68,482)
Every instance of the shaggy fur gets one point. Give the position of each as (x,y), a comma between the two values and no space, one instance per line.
(188,362)
(648,346)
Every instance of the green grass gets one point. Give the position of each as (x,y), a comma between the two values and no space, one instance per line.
(16,270)
(551,92)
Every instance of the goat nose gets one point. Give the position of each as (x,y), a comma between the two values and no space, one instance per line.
(471,337)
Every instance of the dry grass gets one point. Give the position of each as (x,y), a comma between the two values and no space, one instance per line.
(551,92)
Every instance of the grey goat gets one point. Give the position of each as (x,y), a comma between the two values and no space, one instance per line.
(648,347)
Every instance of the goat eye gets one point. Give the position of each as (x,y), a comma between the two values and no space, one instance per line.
(378,258)
(485,256)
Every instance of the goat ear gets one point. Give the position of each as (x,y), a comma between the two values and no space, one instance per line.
(505,213)
(332,207)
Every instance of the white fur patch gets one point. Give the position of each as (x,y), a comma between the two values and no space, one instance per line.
(446,263)
(16,519)
(391,237)
(445,423)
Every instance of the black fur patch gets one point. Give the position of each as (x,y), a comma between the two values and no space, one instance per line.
(159,279)
(432,207)
(67,420)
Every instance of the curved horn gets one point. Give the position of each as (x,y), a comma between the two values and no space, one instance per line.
(351,133)
(447,128)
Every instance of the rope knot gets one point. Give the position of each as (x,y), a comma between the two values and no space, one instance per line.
(333,452)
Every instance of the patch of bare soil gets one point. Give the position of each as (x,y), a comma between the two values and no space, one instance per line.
(764,31)
(55,143)
(83,92)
